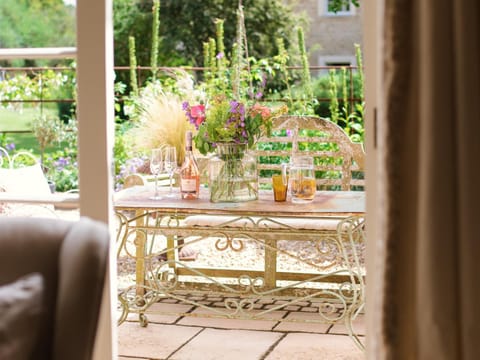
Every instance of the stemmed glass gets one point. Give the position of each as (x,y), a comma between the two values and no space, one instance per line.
(156,167)
(170,164)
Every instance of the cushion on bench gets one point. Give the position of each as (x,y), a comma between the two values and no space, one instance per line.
(273,223)
(28,180)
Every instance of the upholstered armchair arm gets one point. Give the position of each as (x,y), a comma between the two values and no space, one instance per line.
(72,258)
(82,267)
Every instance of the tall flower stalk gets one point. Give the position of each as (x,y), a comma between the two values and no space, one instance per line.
(210,65)
(358,56)
(237,56)
(332,92)
(220,56)
(155,28)
(306,79)
(206,62)
(282,58)
(346,105)
(133,65)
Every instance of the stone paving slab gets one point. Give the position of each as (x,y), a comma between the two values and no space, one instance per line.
(315,347)
(302,326)
(204,338)
(214,344)
(161,317)
(154,341)
(358,325)
(225,323)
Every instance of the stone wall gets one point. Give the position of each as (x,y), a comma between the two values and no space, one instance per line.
(330,39)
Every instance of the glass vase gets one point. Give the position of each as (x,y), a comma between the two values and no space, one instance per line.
(232,174)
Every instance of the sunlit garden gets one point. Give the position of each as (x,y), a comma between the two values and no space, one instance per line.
(38,106)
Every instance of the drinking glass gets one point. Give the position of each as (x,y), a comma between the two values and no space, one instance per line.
(170,165)
(280,187)
(156,167)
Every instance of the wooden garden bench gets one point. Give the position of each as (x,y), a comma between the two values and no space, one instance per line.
(339,163)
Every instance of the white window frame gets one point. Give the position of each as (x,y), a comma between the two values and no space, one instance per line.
(323,10)
(95,116)
(327,60)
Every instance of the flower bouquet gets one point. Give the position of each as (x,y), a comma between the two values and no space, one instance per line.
(229,121)
(230,128)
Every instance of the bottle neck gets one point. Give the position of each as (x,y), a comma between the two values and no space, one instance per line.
(188,141)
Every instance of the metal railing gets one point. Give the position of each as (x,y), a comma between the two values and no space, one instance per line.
(143,73)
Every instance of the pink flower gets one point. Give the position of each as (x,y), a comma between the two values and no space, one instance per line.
(258,109)
(198,113)
(195,114)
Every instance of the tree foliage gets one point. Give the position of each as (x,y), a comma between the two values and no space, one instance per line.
(36,23)
(185,25)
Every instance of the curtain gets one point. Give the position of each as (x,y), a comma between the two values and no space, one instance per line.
(428,245)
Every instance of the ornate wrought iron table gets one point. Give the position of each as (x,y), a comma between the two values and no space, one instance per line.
(297,253)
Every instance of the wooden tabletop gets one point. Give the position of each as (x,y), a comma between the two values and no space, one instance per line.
(326,203)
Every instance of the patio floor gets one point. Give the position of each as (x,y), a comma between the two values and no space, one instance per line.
(206,338)
(171,337)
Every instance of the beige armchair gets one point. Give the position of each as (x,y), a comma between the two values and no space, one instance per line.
(70,258)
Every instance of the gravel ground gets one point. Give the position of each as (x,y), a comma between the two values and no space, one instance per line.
(250,257)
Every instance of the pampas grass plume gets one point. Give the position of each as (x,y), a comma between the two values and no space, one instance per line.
(162,122)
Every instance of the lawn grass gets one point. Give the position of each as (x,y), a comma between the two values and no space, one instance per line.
(11,120)
(21,121)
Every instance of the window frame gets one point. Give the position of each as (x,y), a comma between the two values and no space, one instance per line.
(323,10)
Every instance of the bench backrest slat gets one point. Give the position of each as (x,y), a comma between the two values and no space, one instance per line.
(339,163)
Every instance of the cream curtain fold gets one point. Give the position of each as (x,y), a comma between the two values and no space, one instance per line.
(428,247)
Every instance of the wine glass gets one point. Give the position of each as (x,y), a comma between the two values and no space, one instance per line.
(170,164)
(156,168)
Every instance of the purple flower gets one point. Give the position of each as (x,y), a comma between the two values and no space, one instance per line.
(220,55)
(61,163)
(264,80)
(10,147)
(234,105)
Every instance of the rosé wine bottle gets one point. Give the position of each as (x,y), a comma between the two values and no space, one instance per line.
(189,173)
